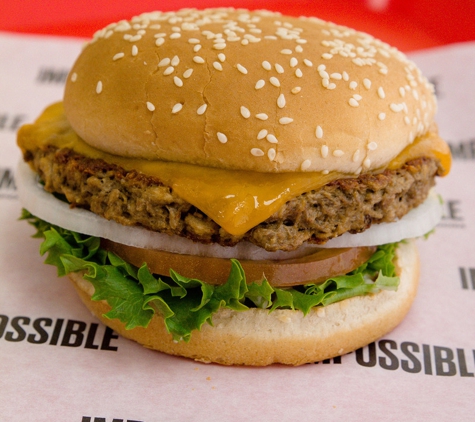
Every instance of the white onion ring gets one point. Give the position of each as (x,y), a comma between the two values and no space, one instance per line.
(44,205)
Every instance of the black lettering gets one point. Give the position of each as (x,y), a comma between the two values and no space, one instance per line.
(109,334)
(7,181)
(86,419)
(427,359)
(73,335)
(9,336)
(47,75)
(463,364)
(9,122)
(43,334)
(452,210)
(463,278)
(56,332)
(371,356)
(407,348)
(3,324)
(393,360)
(464,150)
(90,337)
(434,80)
(444,361)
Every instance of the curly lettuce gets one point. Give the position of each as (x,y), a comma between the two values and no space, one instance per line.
(135,294)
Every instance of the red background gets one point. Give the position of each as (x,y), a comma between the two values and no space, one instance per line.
(407,24)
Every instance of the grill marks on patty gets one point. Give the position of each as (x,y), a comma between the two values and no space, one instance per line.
(131,198)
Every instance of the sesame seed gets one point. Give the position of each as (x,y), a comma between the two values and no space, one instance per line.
(118,56)
(383,71)
(150,106)
(345,76)
(324,74)
(396,107)
(257,152)
(353,85)
(381,116)
(178,82)
(381,92)
(325,82)
(286,51)
(135,50)
(281,101)
(338,153)
(175,36)
(194,41)
(305,165)
(221,57)
(176,108)
(260,83)
(356,155)
(164,62)
(187,73)
(372,146)
(299,49)
(159,41)
(327,56)
(74,77)
(201,109)
(219,46)
(319,132)
(245,42)
(169,70)
(262,134)
(366,83)
(262,116)
(298,73)
(197,48)
(271,153)
(367,162)
(325,172)
(245,112)
(324,151)
(336,75)
(274,81)
(279,68)
(308,62)
(321,67)
(272,139)
(217,66)
(331,86)
(296,90)
(99,87)
(285,120)
(175,61)
(293,62)
(241,69)
(353,103)
(266,65)
(198,59)
(222,137)
(357,97)
(402,92)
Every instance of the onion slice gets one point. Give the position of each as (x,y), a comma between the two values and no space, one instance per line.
(44,205)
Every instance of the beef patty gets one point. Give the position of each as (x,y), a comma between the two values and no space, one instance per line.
(132,198)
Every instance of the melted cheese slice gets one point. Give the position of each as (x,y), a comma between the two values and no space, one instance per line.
(236,200)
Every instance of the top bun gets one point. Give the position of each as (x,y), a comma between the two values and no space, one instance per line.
(247,90)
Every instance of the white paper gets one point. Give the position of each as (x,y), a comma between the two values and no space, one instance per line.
(423,370)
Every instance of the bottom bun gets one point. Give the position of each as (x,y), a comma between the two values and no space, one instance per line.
(257,337)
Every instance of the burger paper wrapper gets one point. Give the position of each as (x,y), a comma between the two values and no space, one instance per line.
(57,363)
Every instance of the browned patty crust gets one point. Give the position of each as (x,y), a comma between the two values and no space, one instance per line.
(132,198)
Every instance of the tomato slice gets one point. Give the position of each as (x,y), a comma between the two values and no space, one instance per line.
(314,268)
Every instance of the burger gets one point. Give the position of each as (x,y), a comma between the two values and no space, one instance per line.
(237,186)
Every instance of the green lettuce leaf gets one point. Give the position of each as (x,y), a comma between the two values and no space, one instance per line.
(135,294)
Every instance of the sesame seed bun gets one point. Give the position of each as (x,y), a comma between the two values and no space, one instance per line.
(257,337)
(281,93)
